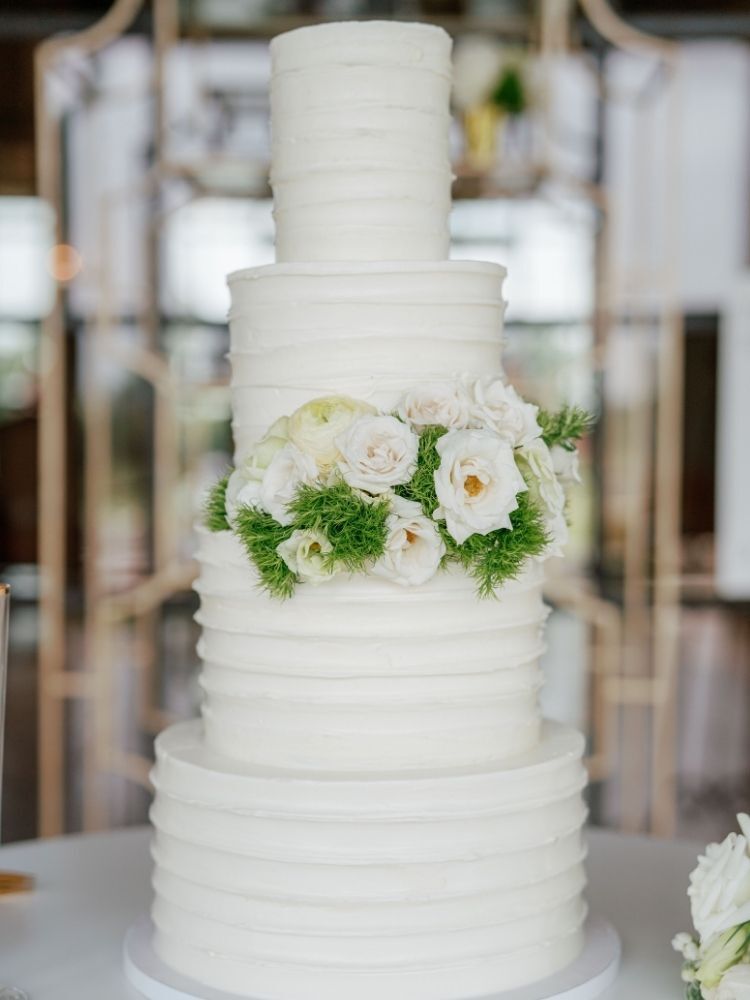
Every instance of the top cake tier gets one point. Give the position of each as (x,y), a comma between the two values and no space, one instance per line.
(359,121)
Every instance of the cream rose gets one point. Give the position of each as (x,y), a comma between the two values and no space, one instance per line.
(304,553)
(443,404)
(377,452)
(243,488)
(497,406)
(477,483)
(535,461)
(288,469)
(413,547)
(315,426)
(720,885)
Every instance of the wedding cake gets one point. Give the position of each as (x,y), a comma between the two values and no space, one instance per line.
(371,805)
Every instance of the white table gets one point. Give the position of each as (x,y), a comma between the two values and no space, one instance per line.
(64,940)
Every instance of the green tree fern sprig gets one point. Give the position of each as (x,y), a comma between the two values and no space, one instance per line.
(355,526)
(261,535)
(214,506)
(564,427)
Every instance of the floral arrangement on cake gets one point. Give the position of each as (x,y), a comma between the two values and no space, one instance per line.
(717,957)
(463,472)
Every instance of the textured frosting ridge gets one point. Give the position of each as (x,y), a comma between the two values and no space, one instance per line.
(360,142)
(371,803)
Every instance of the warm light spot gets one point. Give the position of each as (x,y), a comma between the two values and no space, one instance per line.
(473,485)
(64,262)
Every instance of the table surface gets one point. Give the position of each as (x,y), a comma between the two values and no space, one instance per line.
(63,941)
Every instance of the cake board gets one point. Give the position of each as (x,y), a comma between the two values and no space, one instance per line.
(593,971)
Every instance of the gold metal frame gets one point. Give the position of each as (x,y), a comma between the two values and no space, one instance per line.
(634,652)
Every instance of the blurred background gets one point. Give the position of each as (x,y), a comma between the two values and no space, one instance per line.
(602,153)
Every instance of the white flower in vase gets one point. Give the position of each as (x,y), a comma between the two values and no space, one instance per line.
(287,471)
(377,452)
(477,483)
(443,404)
(315,426)
(304,553)
(413,547)
(720,885)
(497,406)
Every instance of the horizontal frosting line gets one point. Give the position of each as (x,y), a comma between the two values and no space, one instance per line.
(265,670)
(412,897)
(378,860)
(394,966)
(562,794)
(433,635)
(366,269)
(565,894)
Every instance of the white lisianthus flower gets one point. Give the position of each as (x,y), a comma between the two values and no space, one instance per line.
(734,985)
(496,406)
(535,460)
(304,553)
(413,547)
(477,483)
(443,404)
(315,426)
(288,469)
(720,885)
(243,488)
(377,452)
(565,464)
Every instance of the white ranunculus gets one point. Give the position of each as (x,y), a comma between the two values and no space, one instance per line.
(536,462)
(477,483)
(413,547)
(734,984)
(377,452)
(720,885)
(243,488)
(304,553)
(315,426)
(496,406)
(288,469)
(443,404)
(565,464)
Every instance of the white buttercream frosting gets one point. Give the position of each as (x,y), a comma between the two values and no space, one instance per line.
(365,330)
(360,142)
(323,880)
(371,804)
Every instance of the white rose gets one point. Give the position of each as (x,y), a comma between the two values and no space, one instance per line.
(413,547)
(377,452)
(315,426)
(544,488)
(497,407)
(287,470)
(565,464)
(734,984)
(476,483)
(442,404)
(243,488)
(720,885)
(304,553)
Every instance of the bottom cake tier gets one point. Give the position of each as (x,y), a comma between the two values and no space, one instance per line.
(437,885)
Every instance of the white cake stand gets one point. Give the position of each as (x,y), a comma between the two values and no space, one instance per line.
(593,971)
